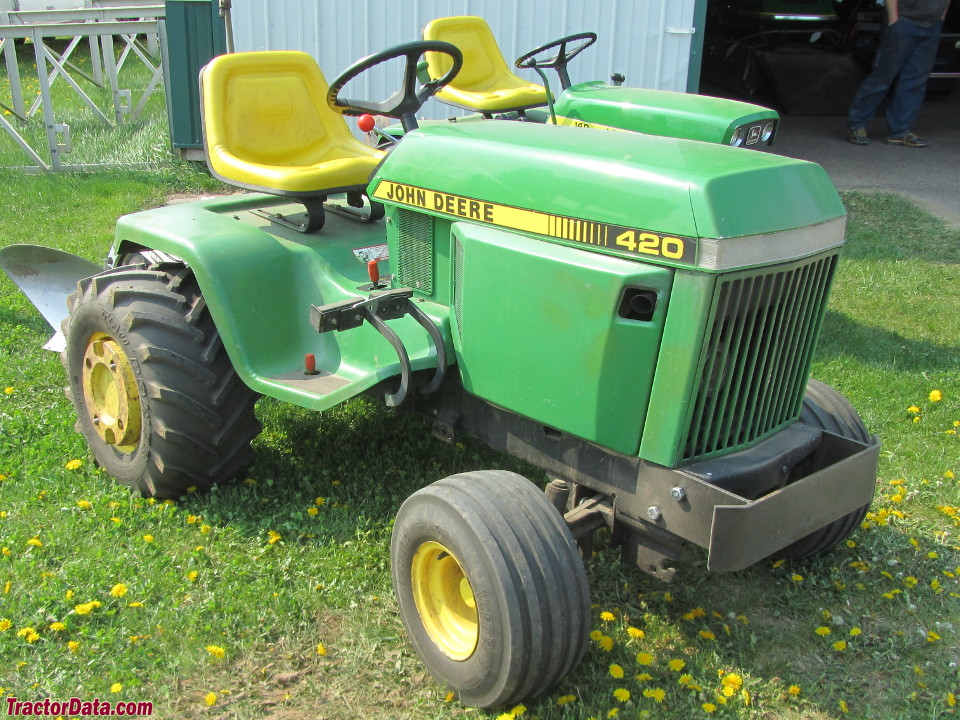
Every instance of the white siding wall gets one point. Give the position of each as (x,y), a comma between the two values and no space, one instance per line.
(638,38)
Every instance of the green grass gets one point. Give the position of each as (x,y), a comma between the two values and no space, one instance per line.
(202,573)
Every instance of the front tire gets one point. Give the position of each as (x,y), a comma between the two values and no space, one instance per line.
(156,396)
(491,587)
(826,409)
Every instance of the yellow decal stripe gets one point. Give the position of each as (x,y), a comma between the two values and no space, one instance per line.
(561,120)
(586,232)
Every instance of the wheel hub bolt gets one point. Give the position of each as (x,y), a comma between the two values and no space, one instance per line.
(653,512)
(678,494)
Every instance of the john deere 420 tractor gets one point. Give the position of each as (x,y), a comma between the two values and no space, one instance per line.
(635,315)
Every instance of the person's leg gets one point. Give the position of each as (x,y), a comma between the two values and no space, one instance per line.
(912,82)
(895,47)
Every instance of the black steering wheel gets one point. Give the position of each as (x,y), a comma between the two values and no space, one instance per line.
(404,103)
(581,41)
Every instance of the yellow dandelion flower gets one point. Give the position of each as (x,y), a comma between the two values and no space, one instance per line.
(204,529)
(949,475)
(193,575)
(615,671)
(932,637)
(668,597)
(655,694)
(685,679)
(732,680)
(216,651)
(794,690)
(709,707)
(148,538)
(210,699)
(84,504)
(621,694)
(595,635)
(73,464)
(797,577)
(607,616)
(840,645)
(8,390)
(635,633)
(843,706)
(73,646)
(645,658)
(118,590)
(116,687)
(613,712)
(5,624)
(273,537)
(935,396)
(606,643)
(86,608)
(5,551)
(450,696)
(777,563)
(58,627)
(566,700)
(916,418)
(913,409)
(676,665)
(644,677)
(822,631)
(854,631)
(135,604)
(35,542)
(518,710)
(312,511)
(951,699)
(707,635)
(747,697)
(321,649)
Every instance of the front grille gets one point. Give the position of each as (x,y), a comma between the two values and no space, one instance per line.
(754,365)
(415,250)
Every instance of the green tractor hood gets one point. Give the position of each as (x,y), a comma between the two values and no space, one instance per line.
(669,201)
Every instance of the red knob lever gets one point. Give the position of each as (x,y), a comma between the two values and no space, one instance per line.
(373,270)
(366,122)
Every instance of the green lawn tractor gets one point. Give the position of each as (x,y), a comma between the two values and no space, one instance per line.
(635,315)
(487,87)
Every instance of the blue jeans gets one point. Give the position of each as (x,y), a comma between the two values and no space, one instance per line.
(905,56)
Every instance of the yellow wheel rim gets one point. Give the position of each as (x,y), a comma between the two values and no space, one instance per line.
(445,601)
(110,393)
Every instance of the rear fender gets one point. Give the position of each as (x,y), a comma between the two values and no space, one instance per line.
(259,281)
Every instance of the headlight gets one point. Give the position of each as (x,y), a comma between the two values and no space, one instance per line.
(768,130)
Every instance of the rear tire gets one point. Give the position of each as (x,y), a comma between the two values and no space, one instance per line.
(156,396)
(826,409)
(491,587)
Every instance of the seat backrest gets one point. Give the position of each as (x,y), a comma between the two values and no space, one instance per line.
(267,108)
(484,68)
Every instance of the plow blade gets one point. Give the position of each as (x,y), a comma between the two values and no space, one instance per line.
(46,276)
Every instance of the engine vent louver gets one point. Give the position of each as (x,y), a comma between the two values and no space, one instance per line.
(415,250)
(458,283)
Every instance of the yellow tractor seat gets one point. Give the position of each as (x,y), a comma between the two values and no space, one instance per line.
(485,83)
(267,127)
